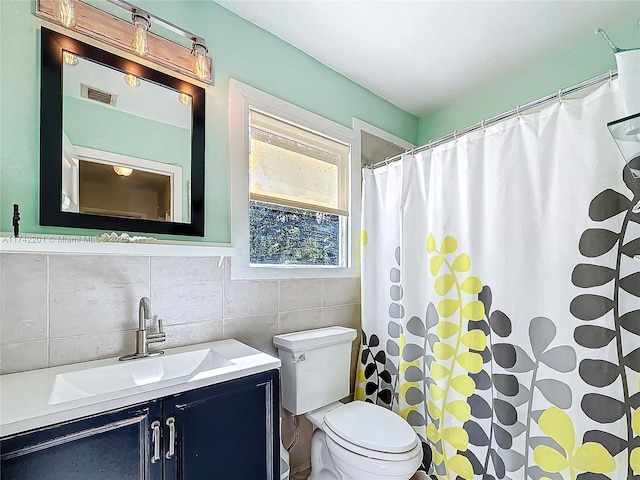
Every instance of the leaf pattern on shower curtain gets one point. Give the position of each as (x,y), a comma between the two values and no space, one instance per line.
(377,373)
(505,394)
(472,386)
(553,453)
(501,408)
(454,347)
(589,457)
(624,332)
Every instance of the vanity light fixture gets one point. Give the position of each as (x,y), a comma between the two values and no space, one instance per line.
(141,22)
(186,58)
(131,80)
(70,58)
(184,98)
(123,171)
(67,13)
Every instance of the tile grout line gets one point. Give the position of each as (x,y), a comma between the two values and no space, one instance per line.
(48,311)
(278,306)
(224,281)
(322,321)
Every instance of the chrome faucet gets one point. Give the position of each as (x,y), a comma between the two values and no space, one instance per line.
(143,337)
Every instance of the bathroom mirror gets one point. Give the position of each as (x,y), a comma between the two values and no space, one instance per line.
(121,145)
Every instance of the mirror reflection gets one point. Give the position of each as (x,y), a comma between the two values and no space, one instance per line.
(126,144)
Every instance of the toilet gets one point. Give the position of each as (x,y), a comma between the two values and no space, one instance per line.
(353,441)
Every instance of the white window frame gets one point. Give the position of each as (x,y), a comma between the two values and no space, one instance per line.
(174,172)
(360,126)
(241,99)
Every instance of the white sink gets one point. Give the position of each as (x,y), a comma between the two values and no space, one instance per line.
(37,398)
(168,368)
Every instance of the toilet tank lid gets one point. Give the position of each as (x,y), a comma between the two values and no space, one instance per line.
(314,338)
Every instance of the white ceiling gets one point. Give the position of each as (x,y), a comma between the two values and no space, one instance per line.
(423,55)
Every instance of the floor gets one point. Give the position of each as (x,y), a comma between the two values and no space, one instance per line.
(304,476)
(420,476)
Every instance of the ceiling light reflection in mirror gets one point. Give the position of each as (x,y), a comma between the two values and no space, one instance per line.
(135,128)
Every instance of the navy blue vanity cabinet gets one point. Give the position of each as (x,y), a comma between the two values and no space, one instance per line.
(224,432)
(116,445)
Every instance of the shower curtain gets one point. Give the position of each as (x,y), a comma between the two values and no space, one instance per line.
(501,299)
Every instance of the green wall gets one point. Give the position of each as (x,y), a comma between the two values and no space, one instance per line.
(257,58)
(92,125)
(539,80)
(240,50)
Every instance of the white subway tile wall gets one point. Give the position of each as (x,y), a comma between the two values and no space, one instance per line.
(16,357)
(295,320)
(300,294)
(60,309)
(186,290)
(94,293)
(23,312)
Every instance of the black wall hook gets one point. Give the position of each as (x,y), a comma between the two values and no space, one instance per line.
(16,220)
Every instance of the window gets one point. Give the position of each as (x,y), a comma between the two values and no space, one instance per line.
(299,194)
(292,189)
(282,235)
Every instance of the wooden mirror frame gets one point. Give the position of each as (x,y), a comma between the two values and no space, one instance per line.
(51,128)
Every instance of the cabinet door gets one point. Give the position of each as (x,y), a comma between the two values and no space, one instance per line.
(110,446)
(225,432)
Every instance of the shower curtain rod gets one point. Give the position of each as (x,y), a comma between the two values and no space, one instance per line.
(498,118)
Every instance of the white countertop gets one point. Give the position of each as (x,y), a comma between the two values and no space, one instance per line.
(89,245)
(25,398)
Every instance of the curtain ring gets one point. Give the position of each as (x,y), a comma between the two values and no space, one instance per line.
(560,99)
(483,126)
(518,111)
(455,135)
(429,147)
(610,76)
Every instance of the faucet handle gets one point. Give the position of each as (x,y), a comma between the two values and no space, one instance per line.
(157,337)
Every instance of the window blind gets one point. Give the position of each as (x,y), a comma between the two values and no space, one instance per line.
(292,166)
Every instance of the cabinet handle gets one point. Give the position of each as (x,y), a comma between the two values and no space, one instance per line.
(172,437)
(155,426)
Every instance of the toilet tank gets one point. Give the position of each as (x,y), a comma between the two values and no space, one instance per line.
(315,367)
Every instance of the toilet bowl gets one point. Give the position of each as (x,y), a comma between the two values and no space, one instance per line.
(284,469)
(352,441)
(362,441)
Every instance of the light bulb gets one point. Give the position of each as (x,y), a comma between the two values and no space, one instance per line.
(70,58)
(200,67)
(140,45)
(123,171)
(131,80)
(67,13)
(184,98)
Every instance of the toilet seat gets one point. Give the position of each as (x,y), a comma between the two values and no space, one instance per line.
(371,431)
(373,454)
